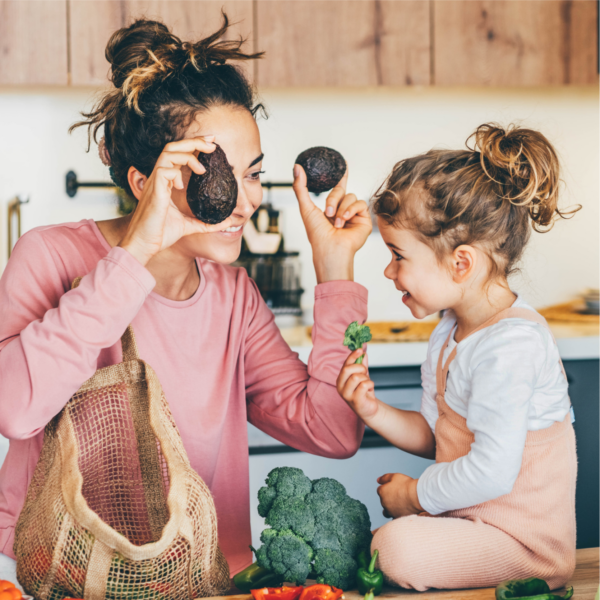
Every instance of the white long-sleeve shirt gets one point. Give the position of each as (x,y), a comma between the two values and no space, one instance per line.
(505,380)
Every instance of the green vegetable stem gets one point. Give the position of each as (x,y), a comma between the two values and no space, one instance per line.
(370,595)
(528,589)
(256,577)
(356,335)
(369,579)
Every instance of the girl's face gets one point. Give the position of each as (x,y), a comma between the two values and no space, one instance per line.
(427,286)
(235,130)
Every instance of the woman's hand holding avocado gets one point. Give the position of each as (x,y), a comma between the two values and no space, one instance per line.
(336,234)
(157,222)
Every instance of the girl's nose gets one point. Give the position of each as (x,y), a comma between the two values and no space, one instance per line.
(390,272)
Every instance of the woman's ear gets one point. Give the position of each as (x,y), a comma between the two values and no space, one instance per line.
(136,182)
(464,261)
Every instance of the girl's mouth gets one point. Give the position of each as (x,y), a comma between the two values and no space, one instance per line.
(405,297)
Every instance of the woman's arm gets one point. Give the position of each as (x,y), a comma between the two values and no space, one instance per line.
(296,404)
(50,340)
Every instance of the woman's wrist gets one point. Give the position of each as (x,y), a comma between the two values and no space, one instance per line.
(139,253)
(334,268)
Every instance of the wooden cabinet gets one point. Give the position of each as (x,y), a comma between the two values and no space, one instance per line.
(33,42)
(92,23)
(523,43)
(343,43)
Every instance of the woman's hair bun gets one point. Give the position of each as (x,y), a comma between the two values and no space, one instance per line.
(524,163)
(146,53)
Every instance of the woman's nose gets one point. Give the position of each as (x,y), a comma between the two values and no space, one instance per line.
(244,207)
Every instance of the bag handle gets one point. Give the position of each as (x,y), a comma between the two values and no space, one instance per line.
(128,344)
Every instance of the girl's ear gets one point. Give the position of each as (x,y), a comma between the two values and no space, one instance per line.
(464,261)
(136,182)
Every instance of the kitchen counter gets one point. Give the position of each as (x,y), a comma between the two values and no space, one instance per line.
(576,341)
(584,582)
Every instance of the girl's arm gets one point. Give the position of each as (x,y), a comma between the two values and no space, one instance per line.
(50,340)
(405,429)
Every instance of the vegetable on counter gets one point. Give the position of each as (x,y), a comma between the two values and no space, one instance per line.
(532,588)
(368,578)
(278,593)
(8,591)
(254,577)
(321,591)
(370,595)
(315,529)
(356,335)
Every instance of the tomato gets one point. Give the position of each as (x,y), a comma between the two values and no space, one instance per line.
(280,593)
(6,585)
(6,595)
(16,593)
(320,591)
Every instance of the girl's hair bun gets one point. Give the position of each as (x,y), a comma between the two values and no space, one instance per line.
(147,53)
(525,165)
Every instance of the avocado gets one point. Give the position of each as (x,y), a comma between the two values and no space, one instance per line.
(324,168)
(212,196)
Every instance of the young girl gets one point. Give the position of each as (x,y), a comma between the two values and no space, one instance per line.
(495,412)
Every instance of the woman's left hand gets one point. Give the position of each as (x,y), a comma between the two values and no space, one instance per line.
(398,495)
(336,234)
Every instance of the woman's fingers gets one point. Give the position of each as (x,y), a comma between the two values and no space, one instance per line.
(197,144)
(180,159)
(351,209)
(304,200)
(336,195)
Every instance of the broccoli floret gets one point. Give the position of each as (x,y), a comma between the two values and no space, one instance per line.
(284,482)
(293,514)
(322,519)
(285,554)
(356,335)
(335,568)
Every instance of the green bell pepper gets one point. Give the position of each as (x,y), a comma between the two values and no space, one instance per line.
(369,579)
(528,589)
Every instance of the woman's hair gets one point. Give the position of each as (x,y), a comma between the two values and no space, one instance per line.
(486,195)
(160,84)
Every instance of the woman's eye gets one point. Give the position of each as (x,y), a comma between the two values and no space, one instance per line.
(255,175)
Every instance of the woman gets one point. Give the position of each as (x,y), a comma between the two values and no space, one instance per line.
(201,324)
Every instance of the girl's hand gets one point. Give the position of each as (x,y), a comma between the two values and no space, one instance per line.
(157,223)
(355,387)
(398,495)
(337,234)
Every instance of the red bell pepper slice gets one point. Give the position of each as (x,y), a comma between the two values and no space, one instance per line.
(281,593)
(321,591)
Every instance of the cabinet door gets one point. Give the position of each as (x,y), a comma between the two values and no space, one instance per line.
(33,42)
(522,42)
(93,22)
(343,42)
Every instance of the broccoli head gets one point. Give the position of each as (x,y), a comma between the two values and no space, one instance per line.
(355,336)
(333,526)
(285,554)
(284,482)
(335,568)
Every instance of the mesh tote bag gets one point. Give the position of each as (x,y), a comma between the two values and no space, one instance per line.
(114,510)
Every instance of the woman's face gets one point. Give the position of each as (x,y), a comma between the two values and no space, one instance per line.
(235,130)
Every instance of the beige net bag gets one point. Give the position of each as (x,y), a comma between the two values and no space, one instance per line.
(114,509)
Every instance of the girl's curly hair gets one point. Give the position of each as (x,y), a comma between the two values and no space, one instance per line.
(487,195)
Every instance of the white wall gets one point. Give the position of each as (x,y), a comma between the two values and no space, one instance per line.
(372,128)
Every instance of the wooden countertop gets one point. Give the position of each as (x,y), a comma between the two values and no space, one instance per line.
(584,582)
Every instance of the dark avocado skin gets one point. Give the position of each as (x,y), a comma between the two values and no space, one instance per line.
(212,196)
(324,168)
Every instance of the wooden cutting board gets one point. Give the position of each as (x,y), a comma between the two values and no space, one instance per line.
(574,312)
(584,582)
(398,331)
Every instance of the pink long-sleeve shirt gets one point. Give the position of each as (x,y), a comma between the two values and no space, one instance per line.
(219,357)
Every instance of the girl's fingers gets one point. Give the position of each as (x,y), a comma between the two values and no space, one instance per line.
(353,357)
(180,159)
(384,479)
(198,144)
(347,370)
(336,195)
